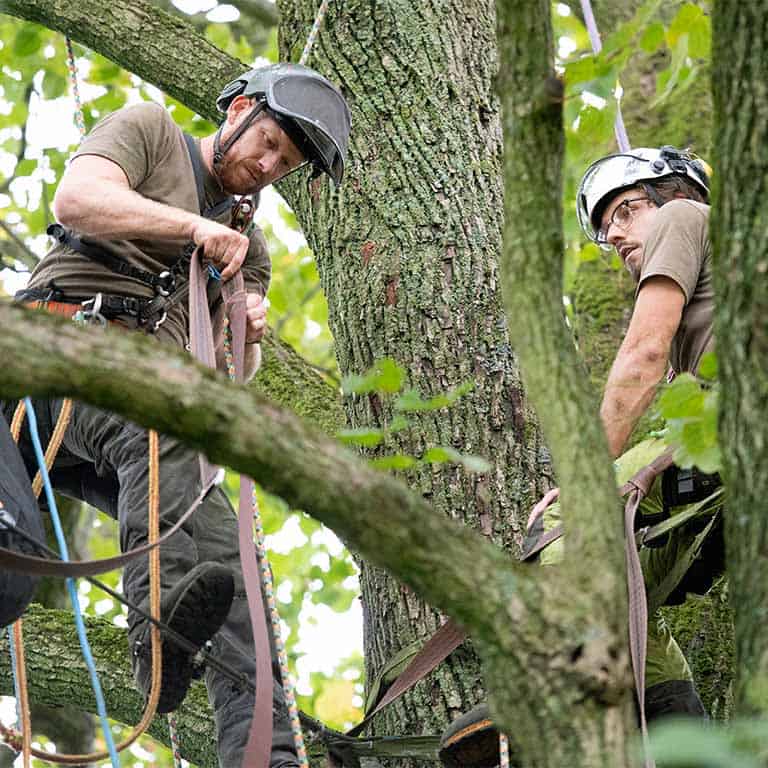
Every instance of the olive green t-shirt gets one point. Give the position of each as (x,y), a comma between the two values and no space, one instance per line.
(678,247)
(150,148)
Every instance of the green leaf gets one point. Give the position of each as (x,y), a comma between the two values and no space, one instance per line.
(653,37)
(413,401)
(25,167)
(385,376)
(54,84)
(682,398)
(103,71)
(396,461)
(708,367)
(27,41)
(590,252)
(364,436)
(580,71)
(440,454)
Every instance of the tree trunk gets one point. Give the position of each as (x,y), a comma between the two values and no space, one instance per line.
(407,253)
(739,229)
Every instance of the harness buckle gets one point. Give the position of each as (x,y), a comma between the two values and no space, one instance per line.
(166,283)
(93,315)
(162,319)
(131,306)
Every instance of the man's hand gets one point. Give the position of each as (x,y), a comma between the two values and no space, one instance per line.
(256,318)
(222,246)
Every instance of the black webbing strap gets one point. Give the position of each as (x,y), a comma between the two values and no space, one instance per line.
(102,254)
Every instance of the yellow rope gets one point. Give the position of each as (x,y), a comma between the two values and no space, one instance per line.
(55,443)
(21,676)
(154,608)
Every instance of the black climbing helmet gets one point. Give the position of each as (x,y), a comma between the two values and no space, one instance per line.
(304,104)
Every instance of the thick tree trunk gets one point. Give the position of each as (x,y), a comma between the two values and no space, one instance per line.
(739,229)
(407,252)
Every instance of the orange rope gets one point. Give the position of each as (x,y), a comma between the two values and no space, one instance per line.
(55,443)
(154,608)
(18,420)
(21,676)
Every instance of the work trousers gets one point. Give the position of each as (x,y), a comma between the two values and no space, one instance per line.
(691,550)
(103,460)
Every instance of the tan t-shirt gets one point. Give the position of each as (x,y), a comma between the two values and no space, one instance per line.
(678,247)
(150,148)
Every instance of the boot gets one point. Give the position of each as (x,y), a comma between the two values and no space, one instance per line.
(195,608)
(470,741)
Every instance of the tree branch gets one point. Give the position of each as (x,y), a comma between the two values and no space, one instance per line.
(452,567)
(58,676)
(120,32)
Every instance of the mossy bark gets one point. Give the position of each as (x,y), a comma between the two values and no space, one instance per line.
(407,252)
(739,226)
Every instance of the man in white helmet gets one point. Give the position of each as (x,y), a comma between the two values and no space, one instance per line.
(651,206)
(136,199)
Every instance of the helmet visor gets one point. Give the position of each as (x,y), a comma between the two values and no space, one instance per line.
(322,115)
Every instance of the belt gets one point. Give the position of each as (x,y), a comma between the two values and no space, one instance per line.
(124,311)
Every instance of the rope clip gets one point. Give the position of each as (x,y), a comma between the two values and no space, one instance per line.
(93,315)
(166,283)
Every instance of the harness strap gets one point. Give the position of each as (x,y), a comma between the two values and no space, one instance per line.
(43,566)
(446,640)
(258,748)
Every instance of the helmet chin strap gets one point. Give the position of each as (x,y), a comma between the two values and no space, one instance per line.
(219,149)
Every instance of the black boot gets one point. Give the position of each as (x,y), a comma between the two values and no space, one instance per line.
(471,741)
(195,608)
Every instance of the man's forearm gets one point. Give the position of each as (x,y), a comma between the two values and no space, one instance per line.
(630,389)
(115,212)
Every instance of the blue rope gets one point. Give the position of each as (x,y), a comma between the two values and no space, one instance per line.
(84,645)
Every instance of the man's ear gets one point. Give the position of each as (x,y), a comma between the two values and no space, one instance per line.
(237,106)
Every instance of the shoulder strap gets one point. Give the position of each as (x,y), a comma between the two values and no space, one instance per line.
(197,167)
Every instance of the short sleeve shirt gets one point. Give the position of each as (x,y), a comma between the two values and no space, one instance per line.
(150,149)
(678,247)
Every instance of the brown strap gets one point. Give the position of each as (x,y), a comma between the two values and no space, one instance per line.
(542,542)
(43,566)
(446,640)
(259,746)
(638,615)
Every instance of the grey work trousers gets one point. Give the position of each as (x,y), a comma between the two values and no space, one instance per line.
(103,460)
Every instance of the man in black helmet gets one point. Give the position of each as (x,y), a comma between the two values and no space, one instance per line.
(136,199)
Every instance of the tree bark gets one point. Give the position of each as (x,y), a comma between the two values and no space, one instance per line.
(407,252)
(740,260)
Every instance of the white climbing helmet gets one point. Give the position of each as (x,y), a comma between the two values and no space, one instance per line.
(608,176)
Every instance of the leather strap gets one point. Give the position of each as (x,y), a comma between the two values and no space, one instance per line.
(446,640)
(43,566)
(259,746)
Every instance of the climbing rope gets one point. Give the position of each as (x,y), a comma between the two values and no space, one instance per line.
(173,732)
(313,33)
(594,37)
(22,693)
(72,67)
(289,689)
(154,573)
(503,751)
(54,444)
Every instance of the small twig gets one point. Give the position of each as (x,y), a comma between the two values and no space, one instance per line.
(27,257)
